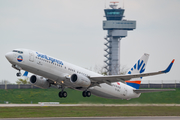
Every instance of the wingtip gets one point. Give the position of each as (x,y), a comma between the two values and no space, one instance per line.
(169,67)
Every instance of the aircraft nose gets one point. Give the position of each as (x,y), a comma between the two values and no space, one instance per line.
(9,56)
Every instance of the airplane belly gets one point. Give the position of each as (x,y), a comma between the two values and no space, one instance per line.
(102,94)
(113,92)
(105,91)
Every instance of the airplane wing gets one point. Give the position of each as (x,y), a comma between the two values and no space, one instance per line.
(151,90)
(123,78)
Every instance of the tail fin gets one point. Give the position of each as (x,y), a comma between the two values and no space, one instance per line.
(139,67)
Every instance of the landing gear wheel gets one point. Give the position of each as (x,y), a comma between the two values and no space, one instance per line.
(63,94)
(60,94)
(18,74)
(86,93)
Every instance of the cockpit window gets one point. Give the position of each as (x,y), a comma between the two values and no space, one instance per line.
(14,50)
(21,52)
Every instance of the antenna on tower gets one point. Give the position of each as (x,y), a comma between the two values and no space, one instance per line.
(123,4)
(113,6)
(114,2)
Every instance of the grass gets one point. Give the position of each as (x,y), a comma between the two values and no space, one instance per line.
(74,97)
(26,112)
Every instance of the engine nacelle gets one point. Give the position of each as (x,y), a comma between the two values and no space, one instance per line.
(80,80)
(39,81)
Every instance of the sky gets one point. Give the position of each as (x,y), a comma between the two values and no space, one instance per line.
(71,30)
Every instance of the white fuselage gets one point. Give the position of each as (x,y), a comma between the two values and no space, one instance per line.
(58,70)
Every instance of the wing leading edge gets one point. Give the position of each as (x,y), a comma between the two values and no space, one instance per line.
(117,78)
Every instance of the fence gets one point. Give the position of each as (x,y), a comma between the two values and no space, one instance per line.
(175,85)
(21,86)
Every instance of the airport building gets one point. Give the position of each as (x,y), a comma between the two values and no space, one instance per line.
(117,28)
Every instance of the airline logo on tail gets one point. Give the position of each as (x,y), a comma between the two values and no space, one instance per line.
(139,67)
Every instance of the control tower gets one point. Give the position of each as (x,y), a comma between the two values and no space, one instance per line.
(116,29)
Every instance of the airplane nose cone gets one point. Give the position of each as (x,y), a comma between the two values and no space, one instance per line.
(8,56)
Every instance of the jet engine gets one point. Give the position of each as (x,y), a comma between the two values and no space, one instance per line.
(80,80)
(39,81)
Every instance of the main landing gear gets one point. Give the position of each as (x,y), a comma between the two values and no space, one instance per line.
(62,94)
(86,93)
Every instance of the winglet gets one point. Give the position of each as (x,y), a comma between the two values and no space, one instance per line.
(169,67)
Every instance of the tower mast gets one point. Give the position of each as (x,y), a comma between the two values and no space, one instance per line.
(116,30)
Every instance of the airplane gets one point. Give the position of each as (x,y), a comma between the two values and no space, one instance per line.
(49,71)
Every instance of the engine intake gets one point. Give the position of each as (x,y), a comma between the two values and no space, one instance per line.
(80,80)
(39,81)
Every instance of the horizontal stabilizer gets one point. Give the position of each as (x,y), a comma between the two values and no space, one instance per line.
(152,90)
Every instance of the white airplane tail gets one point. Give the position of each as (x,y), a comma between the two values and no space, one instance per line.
(139,67)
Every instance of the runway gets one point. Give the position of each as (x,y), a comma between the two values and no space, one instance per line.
(93,118)
(101,118)
(37,105)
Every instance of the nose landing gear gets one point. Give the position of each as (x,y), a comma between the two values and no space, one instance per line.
(17,68)
(18,74)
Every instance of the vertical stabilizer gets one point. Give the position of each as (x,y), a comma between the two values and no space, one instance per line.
(139,67)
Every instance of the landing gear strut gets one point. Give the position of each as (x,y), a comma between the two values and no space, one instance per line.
(86,93)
